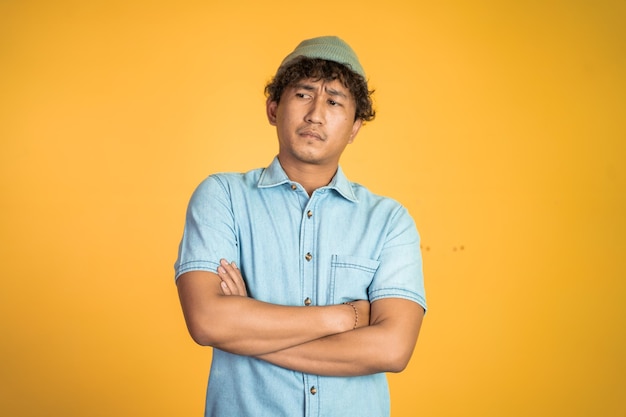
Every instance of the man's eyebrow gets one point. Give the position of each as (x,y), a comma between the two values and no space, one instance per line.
(331,91)
(336,93)
(304,86)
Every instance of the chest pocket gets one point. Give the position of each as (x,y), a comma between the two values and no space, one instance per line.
(351,277)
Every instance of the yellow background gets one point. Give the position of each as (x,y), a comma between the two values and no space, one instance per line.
(500,126)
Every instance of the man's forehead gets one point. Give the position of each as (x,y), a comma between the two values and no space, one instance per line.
(332,87)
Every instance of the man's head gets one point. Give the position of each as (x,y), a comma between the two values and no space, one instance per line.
(324,58)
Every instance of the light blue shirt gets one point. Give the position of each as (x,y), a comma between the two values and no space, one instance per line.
(341,244)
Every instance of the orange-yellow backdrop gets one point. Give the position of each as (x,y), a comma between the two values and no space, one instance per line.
(501,126)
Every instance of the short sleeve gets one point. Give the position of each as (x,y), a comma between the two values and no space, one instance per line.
(209,233)
(400,272)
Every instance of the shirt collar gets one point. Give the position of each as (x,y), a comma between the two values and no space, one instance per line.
(274,175)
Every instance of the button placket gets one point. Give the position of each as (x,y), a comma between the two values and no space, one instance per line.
(311,391)
(309,279)
(309,286)
(308,255)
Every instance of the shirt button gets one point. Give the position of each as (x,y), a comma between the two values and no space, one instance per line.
(307,301)
(308,256)
(294,186)
(309,214)
(313,390)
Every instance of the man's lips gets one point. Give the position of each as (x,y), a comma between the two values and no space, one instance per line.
(311,133)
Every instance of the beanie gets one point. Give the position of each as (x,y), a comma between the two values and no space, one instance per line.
(330,48)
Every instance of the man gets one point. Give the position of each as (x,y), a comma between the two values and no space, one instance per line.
(308,287)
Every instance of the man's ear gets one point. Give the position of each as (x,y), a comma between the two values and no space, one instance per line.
(355,129)
(270,108)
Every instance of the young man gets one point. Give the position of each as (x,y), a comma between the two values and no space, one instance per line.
(307,286)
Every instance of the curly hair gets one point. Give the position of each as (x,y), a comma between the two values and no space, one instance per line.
(319,69)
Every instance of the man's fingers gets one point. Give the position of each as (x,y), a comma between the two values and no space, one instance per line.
(227,284)
(225,288)
(238,278)
(231,277)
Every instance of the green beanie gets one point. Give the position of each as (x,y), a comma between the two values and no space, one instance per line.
(330,48)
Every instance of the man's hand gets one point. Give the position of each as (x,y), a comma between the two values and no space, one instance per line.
(232,280)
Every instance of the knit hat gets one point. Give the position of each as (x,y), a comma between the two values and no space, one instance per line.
(330,48)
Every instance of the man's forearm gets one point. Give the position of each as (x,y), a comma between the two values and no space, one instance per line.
(384,346)
(345,354)
(249,327)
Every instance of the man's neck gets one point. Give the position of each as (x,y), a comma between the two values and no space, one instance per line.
(310,176)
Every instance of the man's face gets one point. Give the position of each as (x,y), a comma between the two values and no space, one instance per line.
(314,121)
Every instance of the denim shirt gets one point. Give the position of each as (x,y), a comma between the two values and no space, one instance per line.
(340,244)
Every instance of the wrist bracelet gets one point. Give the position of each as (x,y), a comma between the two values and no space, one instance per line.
(356,314)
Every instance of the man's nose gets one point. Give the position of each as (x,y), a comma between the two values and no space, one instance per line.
(316,111)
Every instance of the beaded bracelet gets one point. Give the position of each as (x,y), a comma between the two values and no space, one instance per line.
(356,314)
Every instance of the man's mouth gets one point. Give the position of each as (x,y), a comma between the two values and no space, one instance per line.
(311,134)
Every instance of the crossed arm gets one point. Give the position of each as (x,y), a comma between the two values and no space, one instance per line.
(318,340)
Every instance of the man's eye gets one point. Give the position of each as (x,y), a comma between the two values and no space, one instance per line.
(333,103)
